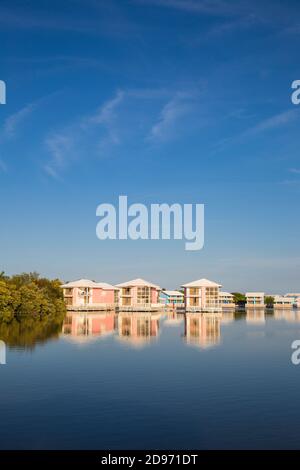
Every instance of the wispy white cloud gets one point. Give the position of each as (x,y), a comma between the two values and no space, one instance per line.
(3,167)
(269,124)
(119,120)
(63,145)
(212,7)
(229,27)
(295,171)
(106,116)
(292,183)
(295,183)
(273,122)
(14,120)
(172,112)
(238,14)
(106,20)
(58,145)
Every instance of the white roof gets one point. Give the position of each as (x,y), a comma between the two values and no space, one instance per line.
(88,283)
(255,294)
(202,283)
(173,293)
(292,295)
(138,282)
(105,286)
(225,294)
(280,298)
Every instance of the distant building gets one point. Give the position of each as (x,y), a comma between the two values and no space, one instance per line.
(138,295)
(255,299)
(283,302)
(202,296)
(171,297)
(295,299)
(89,295)
(226,300)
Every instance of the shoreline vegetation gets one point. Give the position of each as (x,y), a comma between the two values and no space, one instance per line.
(31,307)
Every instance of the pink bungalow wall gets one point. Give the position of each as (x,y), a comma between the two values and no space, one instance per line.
(101,296)
(154,296)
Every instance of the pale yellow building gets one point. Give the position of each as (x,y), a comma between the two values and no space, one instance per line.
(202,296)
(255,299)
(226,300)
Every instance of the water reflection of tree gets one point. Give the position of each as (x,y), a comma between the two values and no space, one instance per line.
(32,309)
(28,332)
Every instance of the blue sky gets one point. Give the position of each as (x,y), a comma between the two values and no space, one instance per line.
(163,101)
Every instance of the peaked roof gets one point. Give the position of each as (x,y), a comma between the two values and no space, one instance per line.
(88,283)
(282,298)
(202,283)
(138,282)
(172,292)
(253,294)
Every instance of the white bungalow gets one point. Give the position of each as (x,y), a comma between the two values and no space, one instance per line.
(295,299)
(255,299)
(171,298)
(202,296)
(226,300)
(138,295)
(283,302)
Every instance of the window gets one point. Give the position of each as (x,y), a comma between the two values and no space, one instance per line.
(194,291)
(69,291)
(212,296)
(143,295)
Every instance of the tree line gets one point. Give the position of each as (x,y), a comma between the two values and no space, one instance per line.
(28,295)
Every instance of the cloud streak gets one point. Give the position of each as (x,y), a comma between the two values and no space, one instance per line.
(267,125)
(12,123)
(278,120)
(119,120)
(63,146)
(104,20)
(179,106)
(210,7)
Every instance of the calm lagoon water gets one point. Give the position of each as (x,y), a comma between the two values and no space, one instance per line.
(141,381)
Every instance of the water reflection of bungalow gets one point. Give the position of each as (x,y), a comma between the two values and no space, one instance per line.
(173,318)
(202,330)
(202,296)
(171,298)
(226,300)
(138,328)
(255,299)
(87,326)
(254,315)
(283,302)
(288,315)
(138,295)
(89,295)
(227,317)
